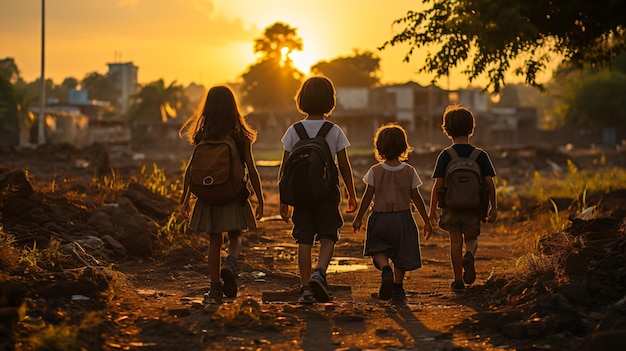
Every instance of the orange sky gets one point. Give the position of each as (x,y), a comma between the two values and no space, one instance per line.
(203,41)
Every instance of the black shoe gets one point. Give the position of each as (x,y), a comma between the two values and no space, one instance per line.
(306,296)
(319,286)
(214,295)
(228,273)
(398,294)
(386,285)
(469,273)
(457,286)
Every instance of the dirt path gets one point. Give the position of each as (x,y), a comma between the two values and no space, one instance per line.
(166,314)
(157,303)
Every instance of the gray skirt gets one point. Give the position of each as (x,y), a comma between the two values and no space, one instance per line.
(396,234)
(222,218)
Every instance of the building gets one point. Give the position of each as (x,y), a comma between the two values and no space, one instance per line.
(124,78)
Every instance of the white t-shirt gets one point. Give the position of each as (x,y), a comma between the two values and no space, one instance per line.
(336,139)
(369,176)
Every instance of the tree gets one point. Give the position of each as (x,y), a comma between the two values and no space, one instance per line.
(359,70)
(9,103)
(9,70)
(100,87)
(272,81)
(591,99)
(493,35)
(13,103)
(158,102)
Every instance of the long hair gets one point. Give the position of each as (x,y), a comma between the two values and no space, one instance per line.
(217,118)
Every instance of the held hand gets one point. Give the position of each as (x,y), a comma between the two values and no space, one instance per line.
(492,215)
(284,212)
(259,212)
(356,224)
(185,211)
(433,218)
(428,230)
(351,205)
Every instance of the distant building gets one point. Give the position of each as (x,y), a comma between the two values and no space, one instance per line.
(360,111)
(124,78)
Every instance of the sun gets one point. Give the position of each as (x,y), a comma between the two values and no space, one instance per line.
(299,59)
(303,61)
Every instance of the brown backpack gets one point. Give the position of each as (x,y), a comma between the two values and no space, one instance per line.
(216,172)
(463,185)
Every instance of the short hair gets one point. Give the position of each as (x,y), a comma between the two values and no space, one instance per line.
(391,142)
(316,96)
(458,121)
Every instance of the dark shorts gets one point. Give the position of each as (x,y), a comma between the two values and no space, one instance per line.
(313,223)
(466,222)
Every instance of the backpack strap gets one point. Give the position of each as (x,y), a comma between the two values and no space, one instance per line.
(474,155)
(453,154)
(302,134)
(326,127)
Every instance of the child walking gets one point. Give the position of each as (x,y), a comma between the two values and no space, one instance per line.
(463,225)
(392,233)
(217,118)
(320,221)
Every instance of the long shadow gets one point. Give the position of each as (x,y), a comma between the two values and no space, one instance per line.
(317,333)
(423,338)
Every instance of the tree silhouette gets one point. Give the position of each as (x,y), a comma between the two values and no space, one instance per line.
(158,102)
(590,99)
(272,81)
(359,70)
(491,36)
(101,87)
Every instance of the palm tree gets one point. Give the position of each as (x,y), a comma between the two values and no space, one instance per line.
(158,102)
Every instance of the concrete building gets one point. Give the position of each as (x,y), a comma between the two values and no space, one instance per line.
(124,78)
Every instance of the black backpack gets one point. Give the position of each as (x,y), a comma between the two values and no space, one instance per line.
(309,173)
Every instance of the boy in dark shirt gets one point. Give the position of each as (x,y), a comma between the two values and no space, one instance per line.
(463,225)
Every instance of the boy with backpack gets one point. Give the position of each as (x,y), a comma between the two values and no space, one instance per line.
(309,182)
(464,191)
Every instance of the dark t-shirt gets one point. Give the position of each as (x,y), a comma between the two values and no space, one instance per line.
(463,150)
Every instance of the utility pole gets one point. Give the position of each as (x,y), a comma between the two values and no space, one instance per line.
(41,137)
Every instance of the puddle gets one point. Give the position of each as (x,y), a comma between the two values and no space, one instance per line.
(347,264)
(271,218)
(267,163)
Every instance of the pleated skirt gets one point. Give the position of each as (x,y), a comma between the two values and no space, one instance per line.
(214,219)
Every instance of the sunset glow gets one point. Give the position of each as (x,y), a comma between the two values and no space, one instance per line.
(208,42)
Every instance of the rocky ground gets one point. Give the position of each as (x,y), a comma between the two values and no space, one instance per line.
(88,264)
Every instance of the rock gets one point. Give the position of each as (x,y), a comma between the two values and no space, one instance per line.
(153,205)
(114,244)
(15,182)
(90,243)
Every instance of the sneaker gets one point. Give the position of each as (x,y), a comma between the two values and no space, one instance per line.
(386,285)
(398,294)
(228,273)
(306,296)
(469,273)
(319,286)
(457,285)
(214,295)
